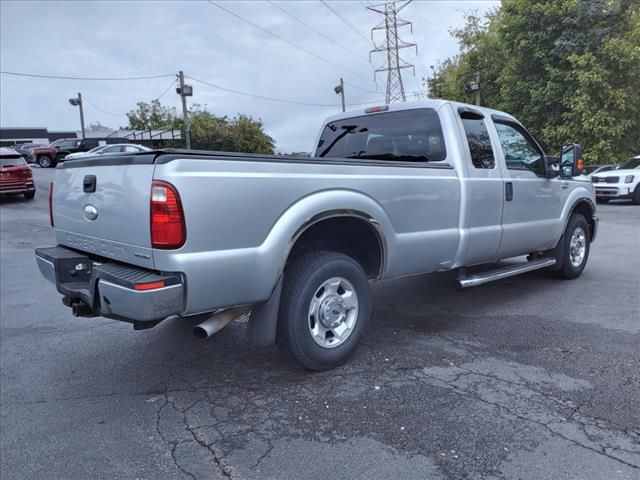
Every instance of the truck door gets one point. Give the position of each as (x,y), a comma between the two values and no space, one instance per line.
(482,210)
(532,206)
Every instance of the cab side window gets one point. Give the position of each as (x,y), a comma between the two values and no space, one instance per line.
(479,143)
(520,152)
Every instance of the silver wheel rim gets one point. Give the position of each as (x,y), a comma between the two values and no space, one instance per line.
(577,247)
(333,312)
(44,162)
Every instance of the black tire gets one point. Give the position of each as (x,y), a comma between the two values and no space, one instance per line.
(568,270)
(302,279)
(45,161)
(602,200)
(636,195)
(30,195)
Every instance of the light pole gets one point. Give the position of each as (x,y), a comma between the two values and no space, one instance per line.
(339,89)
(77,102)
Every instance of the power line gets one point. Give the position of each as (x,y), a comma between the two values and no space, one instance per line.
(347,22)
(84,97)
(62,77)
(168,88)
(269,32)
(422,26)
(360,88)
(319,32)
(273,99)
(102,110)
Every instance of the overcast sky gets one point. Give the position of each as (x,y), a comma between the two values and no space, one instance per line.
(146,38)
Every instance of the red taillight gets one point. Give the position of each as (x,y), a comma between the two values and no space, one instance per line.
(167,219)
(51,203)
(148,286)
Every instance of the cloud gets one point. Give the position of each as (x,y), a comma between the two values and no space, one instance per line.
(114,39)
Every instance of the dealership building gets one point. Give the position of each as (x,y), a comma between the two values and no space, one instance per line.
(15,136)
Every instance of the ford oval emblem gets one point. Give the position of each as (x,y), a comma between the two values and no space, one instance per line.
(90,212)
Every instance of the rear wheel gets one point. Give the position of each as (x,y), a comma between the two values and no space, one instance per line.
(324,309)
(575,246)
(45,161)
(30,195)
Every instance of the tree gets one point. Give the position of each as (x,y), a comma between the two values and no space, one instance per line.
(247,135)
(152,116)
(98,127)
(568,69)
(208,132)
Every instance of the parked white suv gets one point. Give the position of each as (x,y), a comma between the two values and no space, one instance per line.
(623,183)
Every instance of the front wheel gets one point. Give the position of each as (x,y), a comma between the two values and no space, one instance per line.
(45,161)
(636,195)
(575,245)
(324,309)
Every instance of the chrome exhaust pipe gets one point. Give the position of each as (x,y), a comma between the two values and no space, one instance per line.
(218,321)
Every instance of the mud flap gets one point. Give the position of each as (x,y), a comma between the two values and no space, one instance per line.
(264,319)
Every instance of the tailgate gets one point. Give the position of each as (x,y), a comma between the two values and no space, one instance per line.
(102,206)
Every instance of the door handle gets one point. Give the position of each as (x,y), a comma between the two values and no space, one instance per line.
(508,191)
(564,185)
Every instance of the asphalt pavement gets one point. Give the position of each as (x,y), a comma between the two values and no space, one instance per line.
(527,378)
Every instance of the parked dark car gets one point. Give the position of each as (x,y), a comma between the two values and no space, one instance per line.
(15,174)
(58,150)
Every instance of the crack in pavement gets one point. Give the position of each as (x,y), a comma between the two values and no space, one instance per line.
(523,417)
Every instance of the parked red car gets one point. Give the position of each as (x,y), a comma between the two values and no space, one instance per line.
(15,174)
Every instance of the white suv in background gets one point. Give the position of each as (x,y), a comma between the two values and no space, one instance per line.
(623,183)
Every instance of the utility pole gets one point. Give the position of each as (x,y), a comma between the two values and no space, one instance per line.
(339,89)
(185,91)
(77,102)
(473,85)
(391,46)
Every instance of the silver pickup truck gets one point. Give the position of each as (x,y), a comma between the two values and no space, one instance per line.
(391,191)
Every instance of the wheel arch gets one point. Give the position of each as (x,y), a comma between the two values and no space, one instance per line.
(343,230)
(587,208)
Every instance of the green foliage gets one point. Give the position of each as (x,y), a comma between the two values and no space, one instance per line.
(152,115)
(568,69)
(208,132)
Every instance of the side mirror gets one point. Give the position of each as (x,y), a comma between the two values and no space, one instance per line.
(571,163)
(552,166)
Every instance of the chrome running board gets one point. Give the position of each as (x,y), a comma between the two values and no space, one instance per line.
(474,280)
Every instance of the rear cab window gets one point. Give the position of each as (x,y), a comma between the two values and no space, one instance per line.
(479,141)
(405,136)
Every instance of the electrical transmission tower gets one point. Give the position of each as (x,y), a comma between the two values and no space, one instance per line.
(392,45)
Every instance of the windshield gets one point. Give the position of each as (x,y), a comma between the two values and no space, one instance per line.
(630,164)
(406,135)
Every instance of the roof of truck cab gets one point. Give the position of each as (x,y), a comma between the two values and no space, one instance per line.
(435,103)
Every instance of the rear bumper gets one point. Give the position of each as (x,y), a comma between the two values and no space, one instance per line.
(113,290)
(14,189)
